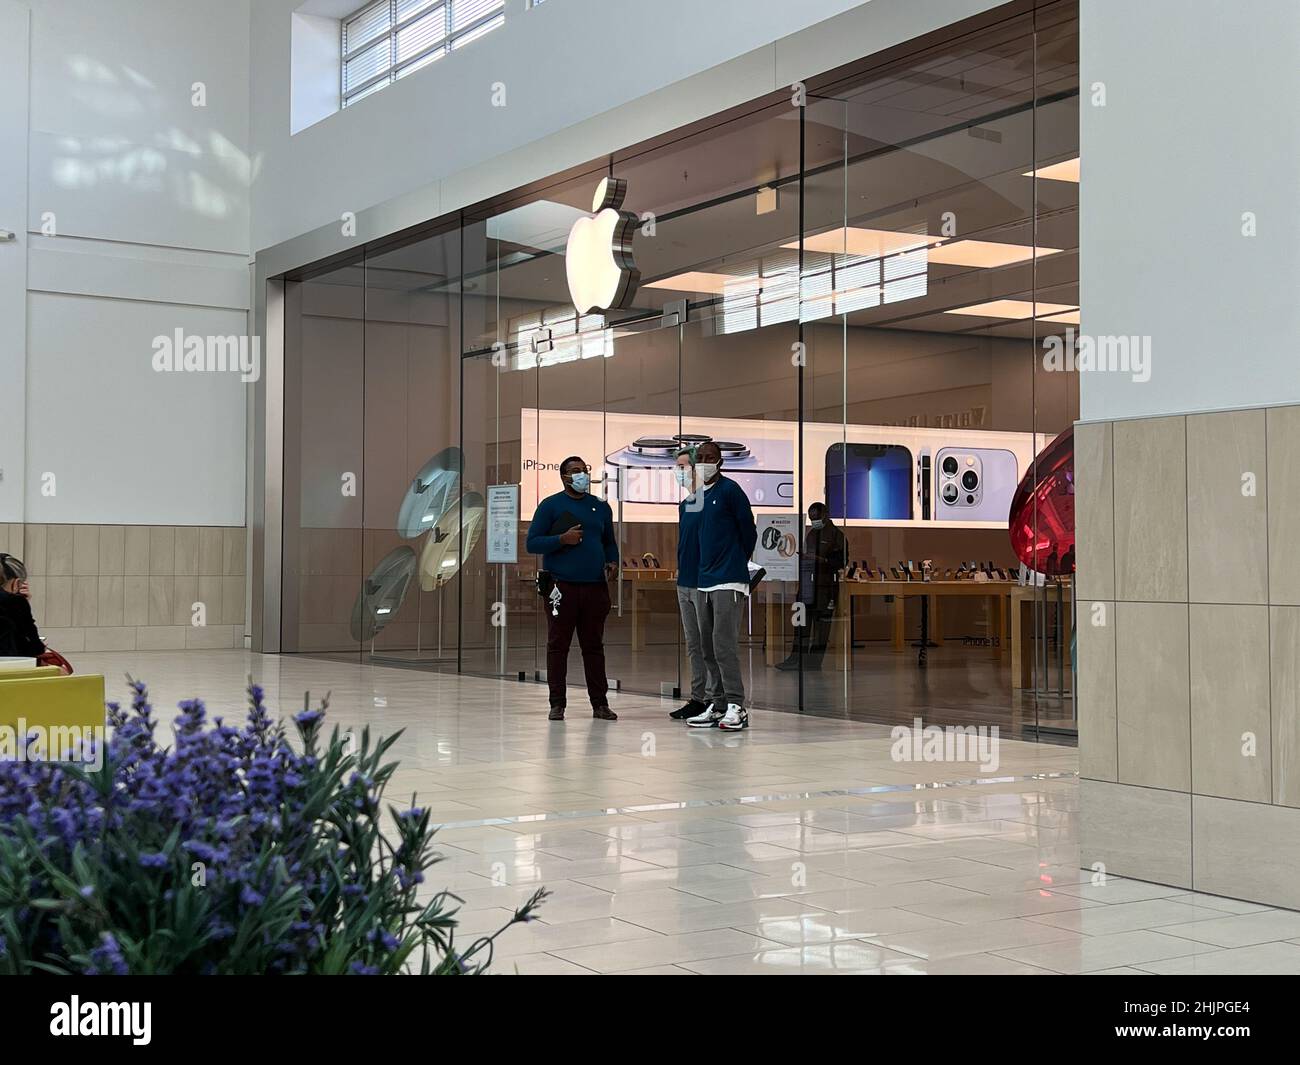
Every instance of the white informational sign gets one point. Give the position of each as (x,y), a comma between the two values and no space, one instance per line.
(777,550)
(503,523)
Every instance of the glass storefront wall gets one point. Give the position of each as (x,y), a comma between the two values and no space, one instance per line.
(850,289)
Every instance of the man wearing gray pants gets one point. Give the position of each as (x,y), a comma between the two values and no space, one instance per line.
(727,535)
(705,684)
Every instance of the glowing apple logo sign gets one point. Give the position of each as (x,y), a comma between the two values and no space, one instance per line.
(598,260)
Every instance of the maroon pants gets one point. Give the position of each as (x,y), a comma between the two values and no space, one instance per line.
(583,607)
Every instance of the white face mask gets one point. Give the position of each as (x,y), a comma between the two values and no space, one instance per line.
(683,475)
(817,524)
(706,470)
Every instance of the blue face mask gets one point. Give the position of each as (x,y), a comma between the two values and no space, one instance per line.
(580,482)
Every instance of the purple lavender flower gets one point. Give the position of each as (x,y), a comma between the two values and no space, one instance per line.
(106,959)
(278,842)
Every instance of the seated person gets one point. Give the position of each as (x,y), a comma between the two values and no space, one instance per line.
(18,635)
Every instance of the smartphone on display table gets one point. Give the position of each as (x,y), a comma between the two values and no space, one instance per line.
(974,484)
(872,481)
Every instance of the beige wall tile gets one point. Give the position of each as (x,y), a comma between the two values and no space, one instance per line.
(65,640)
(162,551)
(1246,850)
(211,636)
(1227,532)
(35,543)
(183,599)
(211,551)
(1144,833)
(1284,660)
(160,637)
(1152,695)
(1098,750)
(121,638)
(1094,511)
(187,551)
(135,600)
(112,597)
(161,597)
(85,600)
(59,549)
(112,550)
(1230,698)
(85,550)
(1283,505)
(232,601)
(55,603)
(136,548)
(232,552)
(1151,510)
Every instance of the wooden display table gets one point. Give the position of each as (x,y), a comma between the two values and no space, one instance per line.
(638,586)
(996,592)
(1025,595)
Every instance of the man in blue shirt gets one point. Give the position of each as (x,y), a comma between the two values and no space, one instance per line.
(705,683)
(727,535)
(574,533)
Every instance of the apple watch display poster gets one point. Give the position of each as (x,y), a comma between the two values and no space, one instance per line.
(974,484)
(871,481)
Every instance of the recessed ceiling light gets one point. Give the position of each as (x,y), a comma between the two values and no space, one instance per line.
(702,281)
(1066,170)
(1068,318)
(869,243)
(1016,310)
(985,253)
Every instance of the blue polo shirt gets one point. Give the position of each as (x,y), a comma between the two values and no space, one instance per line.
(688,543)
(582,563)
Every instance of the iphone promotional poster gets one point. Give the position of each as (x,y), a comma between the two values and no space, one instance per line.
(881,476)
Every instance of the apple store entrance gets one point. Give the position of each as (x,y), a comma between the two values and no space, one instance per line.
(854,294)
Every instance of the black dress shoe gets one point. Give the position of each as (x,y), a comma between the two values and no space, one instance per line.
(789,663)
(556,714)
(604,713)
(689,710)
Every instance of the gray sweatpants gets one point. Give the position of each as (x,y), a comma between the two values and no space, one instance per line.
(720,615)
(705,683)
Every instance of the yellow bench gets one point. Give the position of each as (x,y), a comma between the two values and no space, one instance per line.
(31,674)
(52,702)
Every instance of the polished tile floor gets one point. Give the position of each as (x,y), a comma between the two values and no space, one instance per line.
(799,846)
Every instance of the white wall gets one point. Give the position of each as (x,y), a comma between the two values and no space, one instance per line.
(13,255)
(138,222)
(645,67)
(1200,125)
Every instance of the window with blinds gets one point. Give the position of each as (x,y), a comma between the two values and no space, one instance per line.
(388,39)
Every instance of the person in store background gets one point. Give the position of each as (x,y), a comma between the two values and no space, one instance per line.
(824,550)
(727,536)
(573,531)
(706,685)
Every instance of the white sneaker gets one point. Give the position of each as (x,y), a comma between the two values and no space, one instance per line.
(735,719)
(709,718)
